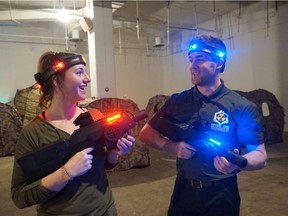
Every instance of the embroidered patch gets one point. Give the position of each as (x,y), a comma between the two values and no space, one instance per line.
(220,118)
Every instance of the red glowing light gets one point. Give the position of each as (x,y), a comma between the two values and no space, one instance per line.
(84,60)
(59,66)
(38,86)
(113,118)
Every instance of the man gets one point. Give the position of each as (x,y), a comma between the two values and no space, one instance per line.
(206,182)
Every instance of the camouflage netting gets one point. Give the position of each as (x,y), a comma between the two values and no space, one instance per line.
(26,102)
(139,154)
(10,127)
(273,124)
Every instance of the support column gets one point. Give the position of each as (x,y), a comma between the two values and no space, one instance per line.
(101,52)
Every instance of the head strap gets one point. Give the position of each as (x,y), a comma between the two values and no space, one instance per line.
(59,66)
(199,46)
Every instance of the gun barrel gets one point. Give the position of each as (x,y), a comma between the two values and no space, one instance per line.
(236,159)
(140,115)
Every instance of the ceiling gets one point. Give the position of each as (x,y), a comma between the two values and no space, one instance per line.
(157,19)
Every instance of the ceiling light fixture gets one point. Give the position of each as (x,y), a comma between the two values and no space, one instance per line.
(63,16)
(158,42)
(116,5)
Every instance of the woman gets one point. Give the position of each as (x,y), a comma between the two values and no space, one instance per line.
(80,186)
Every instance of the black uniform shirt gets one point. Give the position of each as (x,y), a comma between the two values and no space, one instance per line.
(224,114)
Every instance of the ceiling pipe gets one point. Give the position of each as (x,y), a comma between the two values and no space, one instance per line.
(137,21)
(168,24)
(267,17)
(239,15)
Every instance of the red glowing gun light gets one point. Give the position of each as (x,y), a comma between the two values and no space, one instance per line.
(113,118)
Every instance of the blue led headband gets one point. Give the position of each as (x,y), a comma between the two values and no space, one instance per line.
(197,45)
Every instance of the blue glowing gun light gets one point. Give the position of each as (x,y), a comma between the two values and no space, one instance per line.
(181,131)
(229,155)
(212,142)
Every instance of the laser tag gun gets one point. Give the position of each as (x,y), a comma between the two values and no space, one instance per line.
(102,132)
(204,142)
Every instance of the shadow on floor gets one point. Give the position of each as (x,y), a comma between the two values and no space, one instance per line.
(162,165)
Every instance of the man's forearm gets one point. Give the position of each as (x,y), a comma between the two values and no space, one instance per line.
(154,139)
(256,158)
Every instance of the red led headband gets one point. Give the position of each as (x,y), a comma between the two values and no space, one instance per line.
(59,66)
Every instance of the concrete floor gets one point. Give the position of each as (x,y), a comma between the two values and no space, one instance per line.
(147,191)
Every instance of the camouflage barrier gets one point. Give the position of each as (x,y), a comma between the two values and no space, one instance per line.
(10,127)
(139,154)
(20,101)
(274,122)
(26,102)
(154,104)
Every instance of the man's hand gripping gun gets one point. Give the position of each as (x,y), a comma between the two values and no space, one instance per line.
(104,131)
(205,143)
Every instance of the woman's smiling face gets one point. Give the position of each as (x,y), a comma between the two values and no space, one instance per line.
(75,82)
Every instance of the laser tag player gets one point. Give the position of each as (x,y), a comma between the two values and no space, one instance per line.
(79,186)
(206,183)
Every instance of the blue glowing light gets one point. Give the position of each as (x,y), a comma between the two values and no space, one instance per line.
(205,48)
(219,54)
(215,142)
(193,47)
